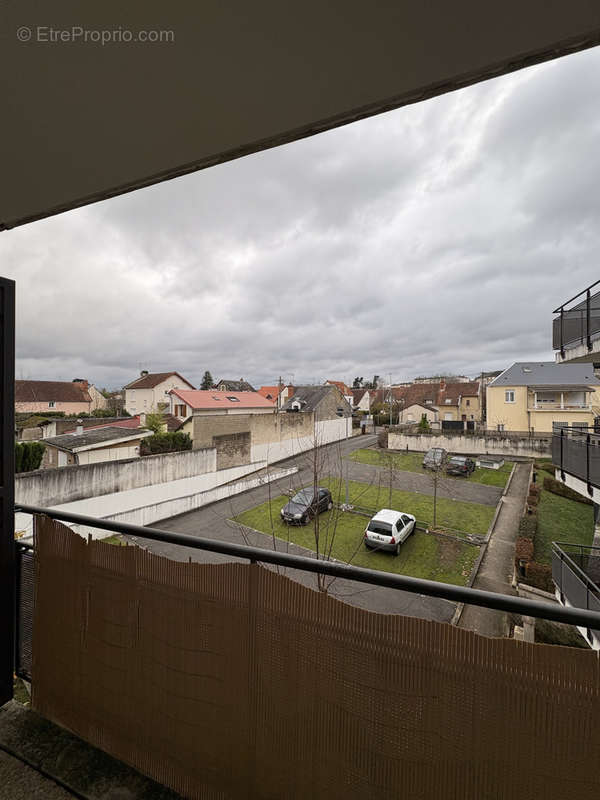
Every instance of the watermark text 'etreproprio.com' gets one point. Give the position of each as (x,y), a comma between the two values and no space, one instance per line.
(77,34)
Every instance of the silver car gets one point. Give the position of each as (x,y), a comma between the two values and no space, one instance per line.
(435,458)
(388,529)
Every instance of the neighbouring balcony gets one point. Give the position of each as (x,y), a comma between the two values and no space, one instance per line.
(571,399)
(553,406)
(576,454)
(576,327)
(576,574)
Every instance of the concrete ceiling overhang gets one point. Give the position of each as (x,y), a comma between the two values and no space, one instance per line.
(83,121)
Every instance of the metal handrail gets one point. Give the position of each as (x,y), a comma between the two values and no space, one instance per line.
(579,310)
(583,291)
(461,594)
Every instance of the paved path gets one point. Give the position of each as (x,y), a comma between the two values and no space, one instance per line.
(496,570)
(454,488)
(213,522)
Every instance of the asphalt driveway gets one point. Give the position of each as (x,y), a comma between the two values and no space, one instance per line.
(214,522)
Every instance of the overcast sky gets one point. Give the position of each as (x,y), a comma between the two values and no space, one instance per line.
(438,237)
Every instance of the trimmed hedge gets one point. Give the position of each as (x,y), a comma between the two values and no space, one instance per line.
(556,487)
(528,527)
(540,576)
(28,456)
(165,443)
(523,550)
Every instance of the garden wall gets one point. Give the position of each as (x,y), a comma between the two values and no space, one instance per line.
(473,445)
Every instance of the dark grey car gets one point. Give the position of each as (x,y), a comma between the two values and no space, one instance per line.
(305,505)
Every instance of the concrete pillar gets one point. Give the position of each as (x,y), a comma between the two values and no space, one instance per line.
(529,629)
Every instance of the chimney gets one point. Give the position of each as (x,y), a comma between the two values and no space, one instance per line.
(79,428)
(442,384)
(81,382)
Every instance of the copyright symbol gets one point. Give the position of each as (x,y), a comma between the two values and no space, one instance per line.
(24,34)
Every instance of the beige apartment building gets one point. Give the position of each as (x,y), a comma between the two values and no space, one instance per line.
(540,397)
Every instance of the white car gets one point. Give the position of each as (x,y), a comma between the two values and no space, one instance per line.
(388,529)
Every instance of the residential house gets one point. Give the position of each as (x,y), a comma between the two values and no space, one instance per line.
(326,402)
(150,392)
(234,386)
(344,389)
(445,378)
(90,446)
(59,425)
(454,401)
(278,394)
(252,430)
(70,397)
(417,411)
(543,396)
(210,402)
(361,400)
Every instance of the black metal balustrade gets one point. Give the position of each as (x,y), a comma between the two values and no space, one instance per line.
(579,324)
(576,573)
(576,451)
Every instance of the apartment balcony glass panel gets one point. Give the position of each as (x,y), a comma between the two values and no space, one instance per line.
(576,574)
(579,324)
(577,451)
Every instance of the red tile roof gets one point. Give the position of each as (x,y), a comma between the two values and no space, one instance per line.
(46,391)
(199,399)
(270,390)
(341,386)
(153,379)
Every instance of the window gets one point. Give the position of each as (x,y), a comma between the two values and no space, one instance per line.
(429,401)
(233,399)
(509,396)
(448,402)
(583,425)
(447,417)
(467,402)
(51,404)
(500,428)
(556,426)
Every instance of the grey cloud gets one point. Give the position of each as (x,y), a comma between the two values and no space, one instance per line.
(438,236)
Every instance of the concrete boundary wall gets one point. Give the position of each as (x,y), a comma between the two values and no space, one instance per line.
(326,432)
(149,514)
(50,487)
(146,505)
(474,445)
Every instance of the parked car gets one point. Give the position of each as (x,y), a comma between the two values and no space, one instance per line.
(388,529)
(435,458)
(304,505)
(460,465)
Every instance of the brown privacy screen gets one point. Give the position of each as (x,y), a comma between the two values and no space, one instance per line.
(231,681)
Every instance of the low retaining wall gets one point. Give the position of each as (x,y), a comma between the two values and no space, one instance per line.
(151,504)
(49,487)
(526,447)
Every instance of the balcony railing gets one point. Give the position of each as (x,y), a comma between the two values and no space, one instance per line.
(576,573)
(547,406)
(577,451)
(579,324)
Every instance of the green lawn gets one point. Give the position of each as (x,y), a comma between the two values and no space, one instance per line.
(115,539)
(561,520)
(412,462)
(341,536)
(453,514)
